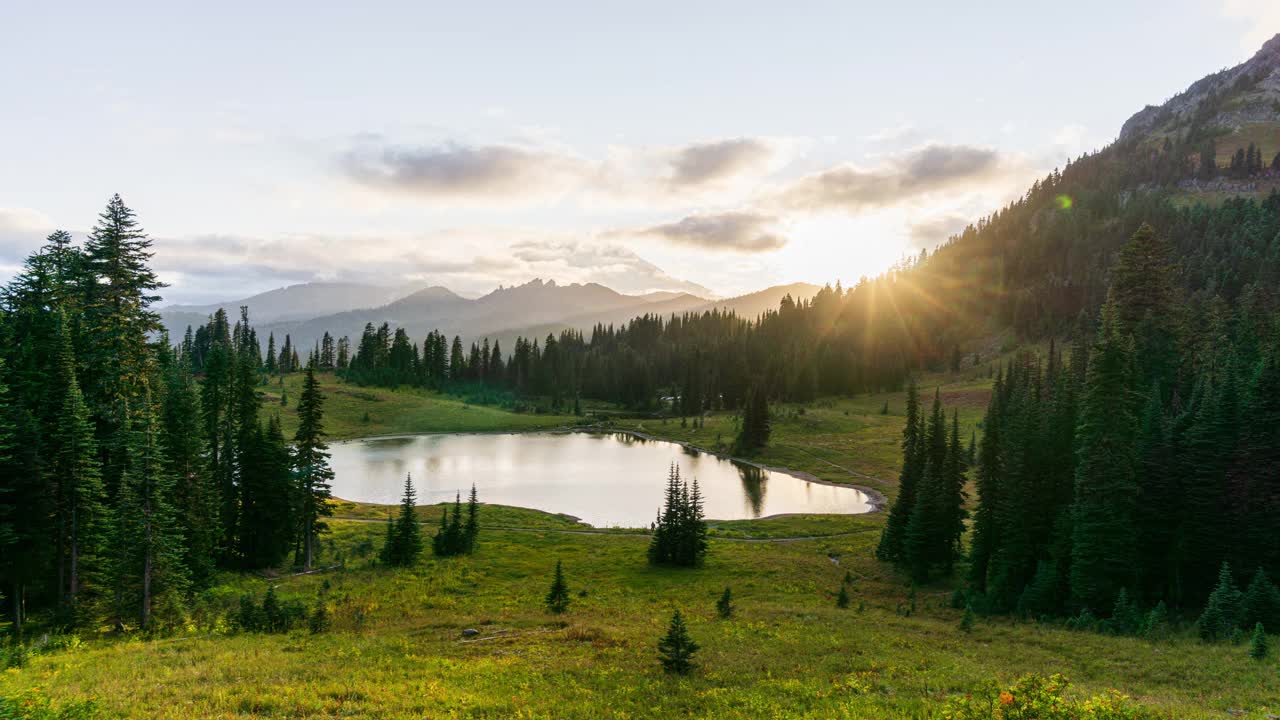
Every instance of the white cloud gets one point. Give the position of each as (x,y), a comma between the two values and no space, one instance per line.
(22,230)
(1261,19)
(902,178)
(537,170)
(745,232)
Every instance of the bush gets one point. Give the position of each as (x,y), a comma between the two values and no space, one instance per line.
(15,656)
(318,620)
(1036,697)
(724,606)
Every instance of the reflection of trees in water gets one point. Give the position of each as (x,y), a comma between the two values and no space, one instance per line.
(388,443)
(690,450)
(754,485)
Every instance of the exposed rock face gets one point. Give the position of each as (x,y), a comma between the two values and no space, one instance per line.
(1246,93)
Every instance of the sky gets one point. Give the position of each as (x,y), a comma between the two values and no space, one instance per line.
(710,147)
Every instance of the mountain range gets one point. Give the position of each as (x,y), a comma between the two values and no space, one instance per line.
(308,310)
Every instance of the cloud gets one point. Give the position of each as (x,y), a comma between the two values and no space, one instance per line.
(540,170)
(456,171)
(1261,20)
(745,232)
(706,163)
(22,231)
(910,175)
(935,231)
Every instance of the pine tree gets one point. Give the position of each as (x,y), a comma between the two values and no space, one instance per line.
(1103,546)
(311,464)
(557,600)
(196,500)
(451,539)
(680,531)
(471,531)
(1221,616)
(966,620)
(11,504)
(439,546)
(927,542)
(404,538)
(1261,602)
(151,576)
(1258,643)
(84,516)
(676,649)
(756,425)
(116,322)
(842,597)
(893,537)
(724,606)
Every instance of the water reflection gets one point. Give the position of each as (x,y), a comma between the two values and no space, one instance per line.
(604,479)
(753,486)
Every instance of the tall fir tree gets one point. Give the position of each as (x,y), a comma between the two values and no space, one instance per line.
(83,516)
(893,537)
(311,463)
(1104,545)
(151,575)
(404,537)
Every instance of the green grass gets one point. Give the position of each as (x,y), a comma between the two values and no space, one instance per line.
(396,648)
(352,411)
(1265,136)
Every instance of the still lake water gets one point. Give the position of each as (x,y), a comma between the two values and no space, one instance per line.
(606,479)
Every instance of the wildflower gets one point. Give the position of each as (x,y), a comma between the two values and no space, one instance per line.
(1006,697)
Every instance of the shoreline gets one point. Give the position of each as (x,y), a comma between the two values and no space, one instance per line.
(876,500)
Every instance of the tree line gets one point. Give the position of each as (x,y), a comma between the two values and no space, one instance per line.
(127,481)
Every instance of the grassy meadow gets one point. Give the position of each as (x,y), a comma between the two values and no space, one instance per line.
(397,649)
(352,411)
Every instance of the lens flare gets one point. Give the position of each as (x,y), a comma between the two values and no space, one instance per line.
(1064,202)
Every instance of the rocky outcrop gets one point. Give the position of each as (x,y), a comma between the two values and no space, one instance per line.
(1246,93)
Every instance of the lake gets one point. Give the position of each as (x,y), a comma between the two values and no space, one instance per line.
(605,479)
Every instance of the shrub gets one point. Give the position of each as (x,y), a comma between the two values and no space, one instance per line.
(318,620)
(15,656)
(1035,697)
(724,606)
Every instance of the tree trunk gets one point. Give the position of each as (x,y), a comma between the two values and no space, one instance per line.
(18,603)
(310,538)
(147,569)
(73,585)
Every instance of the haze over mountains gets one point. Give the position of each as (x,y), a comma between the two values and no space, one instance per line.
(306,311)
